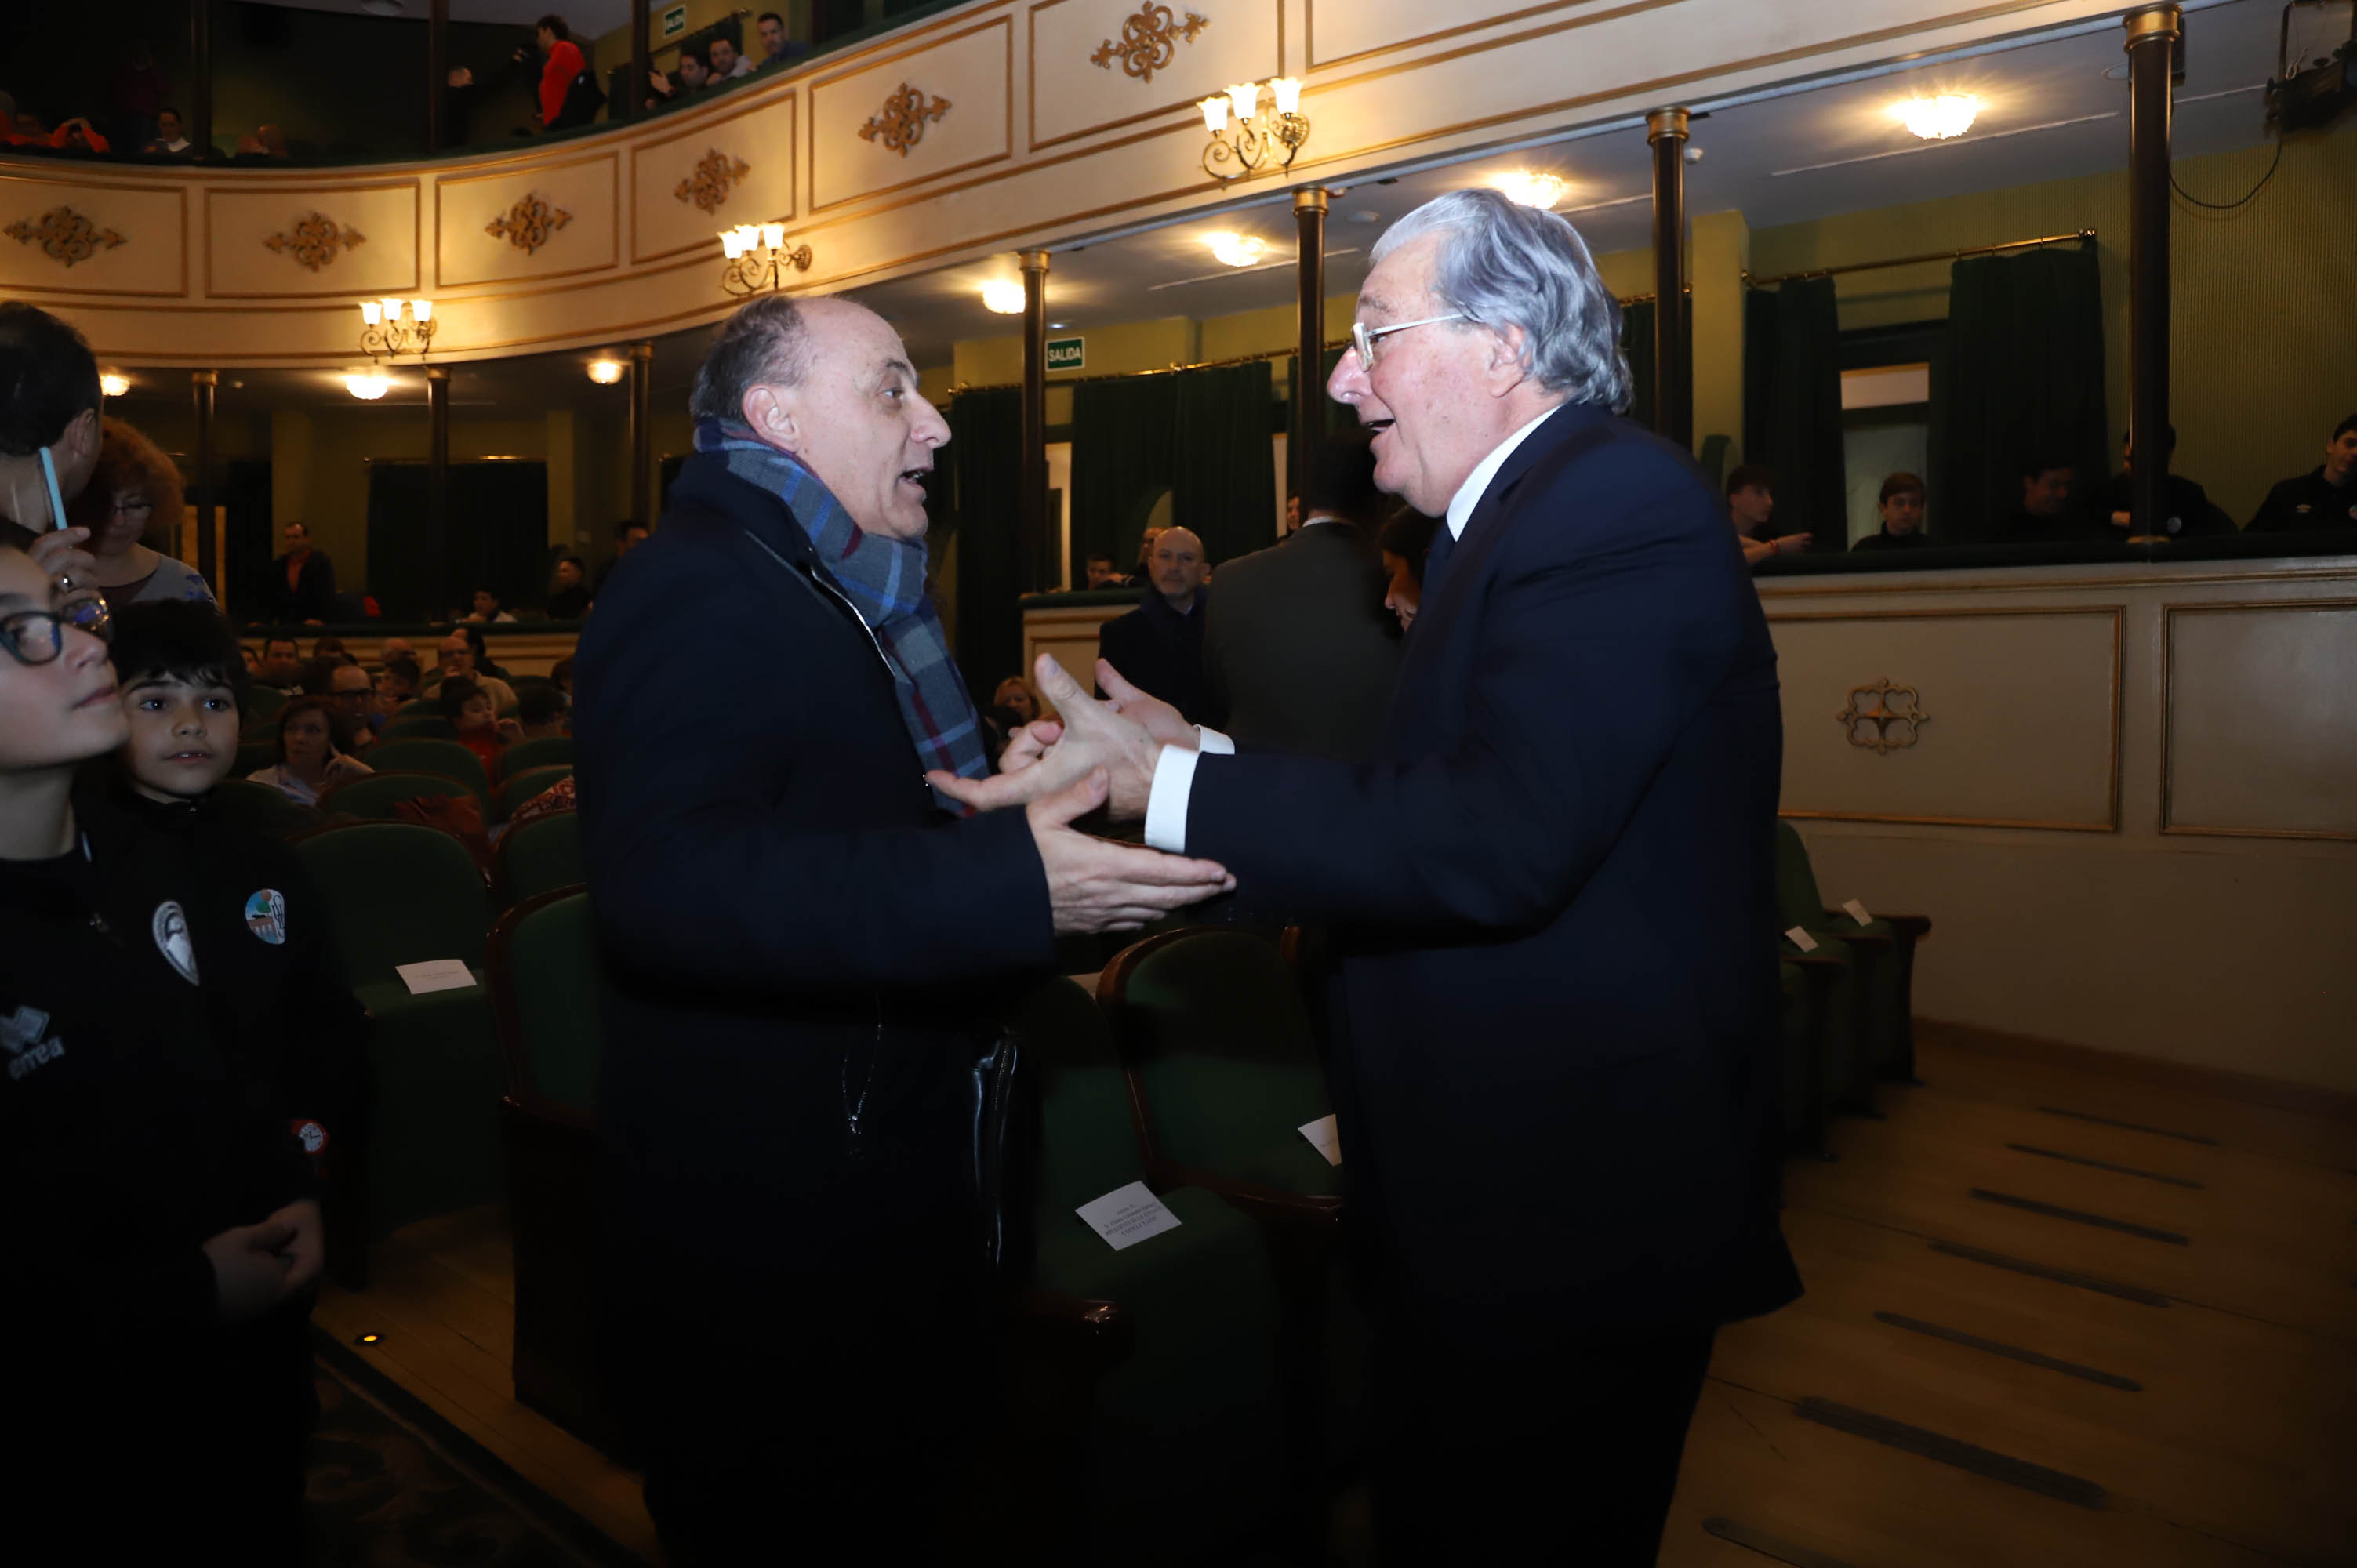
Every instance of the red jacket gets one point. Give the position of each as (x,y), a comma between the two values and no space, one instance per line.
(565,63)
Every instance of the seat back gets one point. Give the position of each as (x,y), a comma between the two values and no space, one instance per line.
(263,703)
(539,857)
(542,966)
(518,788)
(371,797)
(547,752)
(398,893)
(261,809)
(254,756)
(1797,903)
(1221,1060)
(450,758)
(423,726)
(1087,1147)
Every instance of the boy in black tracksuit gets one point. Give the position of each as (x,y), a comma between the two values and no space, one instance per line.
(159,1235)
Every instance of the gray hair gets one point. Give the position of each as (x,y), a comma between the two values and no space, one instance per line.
(765,341)
(1504,264)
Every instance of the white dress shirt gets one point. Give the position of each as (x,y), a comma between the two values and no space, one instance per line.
(1174,770)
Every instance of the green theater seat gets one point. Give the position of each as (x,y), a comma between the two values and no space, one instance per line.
(540,857)
(1885,1044)
(262,809)
(516,788)
(371,797)
(450,758)
(547,752)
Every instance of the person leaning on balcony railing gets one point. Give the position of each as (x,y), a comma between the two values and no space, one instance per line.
(694,74)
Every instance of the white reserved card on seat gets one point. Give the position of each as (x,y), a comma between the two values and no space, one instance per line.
(1127,1214)
(1856,911)
(435,974)
(1324,1137)
(1801,939)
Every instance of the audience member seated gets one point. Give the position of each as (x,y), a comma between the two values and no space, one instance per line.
(2186,511)
(331,647)
(395,648)
(629,534)
(557,797)
(2325,496)
(309,760)
(2046,515)
(1902,516)
(1100,574)
(777,49)
(1145,571)
(1158,647)
(1751,502)
(694,75)
(728,65)
(172,138)
(486,609)
(397,683)
(463,653)
(302,582)
(560,675)
(469,709)
(134,485)
(356,708)
(568,593)
(74,136)
(541,711)
(317,677)
(263,144)
(282,665)
(1405,542)
(1016,702)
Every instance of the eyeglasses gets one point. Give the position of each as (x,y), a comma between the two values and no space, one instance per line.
(38,637)
(128,508)
(1363,338)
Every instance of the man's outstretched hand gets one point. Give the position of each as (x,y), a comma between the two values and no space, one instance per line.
(1096,885)
(1043,759)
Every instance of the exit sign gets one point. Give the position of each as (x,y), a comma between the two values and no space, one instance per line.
(674,21)
(1066,353)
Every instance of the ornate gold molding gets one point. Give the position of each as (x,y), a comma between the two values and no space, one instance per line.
(900,123)
(708,185)
(529,223)
(1149,41)
(315,240)
(1889,709)
(64,234)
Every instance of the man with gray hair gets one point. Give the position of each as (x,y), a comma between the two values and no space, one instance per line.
(1555,1061)
(805,955)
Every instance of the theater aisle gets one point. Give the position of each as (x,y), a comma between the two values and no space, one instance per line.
(2055,1314)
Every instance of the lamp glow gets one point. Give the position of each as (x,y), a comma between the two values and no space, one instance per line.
(391,311)
(370,313)
(773,236)
(367,385)
(1288,89)
(423,309)
(1244,97)
(1003,296)
(113,383)
(1239,250)
(605,372)
(1529,189)
(1215,114)
(1939,118)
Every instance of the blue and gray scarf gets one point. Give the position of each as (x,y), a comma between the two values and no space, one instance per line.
(884,580)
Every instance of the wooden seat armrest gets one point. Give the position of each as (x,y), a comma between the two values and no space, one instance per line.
(1098,1327)
(1260,1202)
(1905,925)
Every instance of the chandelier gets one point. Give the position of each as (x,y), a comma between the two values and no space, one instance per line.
(390,327)
(757,258)
(1246,138)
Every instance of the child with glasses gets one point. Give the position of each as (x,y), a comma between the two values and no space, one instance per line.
(162,1235)
(133,488)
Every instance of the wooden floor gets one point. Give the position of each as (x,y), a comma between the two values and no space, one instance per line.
(2185,1394)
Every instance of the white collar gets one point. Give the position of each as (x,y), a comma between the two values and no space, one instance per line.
(1325,518)
(1469,494)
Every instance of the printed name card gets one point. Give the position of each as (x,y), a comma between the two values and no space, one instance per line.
(1801,939)
(1324,1137)
(436,975)
(1127,1214)
(1856,911)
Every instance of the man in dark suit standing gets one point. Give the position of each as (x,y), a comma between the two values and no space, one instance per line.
(1159,644)
(302,583)
(1299,654)
(805,953)
(1555,1058)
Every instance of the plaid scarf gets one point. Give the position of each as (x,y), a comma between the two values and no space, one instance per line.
(884,580)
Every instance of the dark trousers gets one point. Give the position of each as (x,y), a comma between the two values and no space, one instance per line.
(1514,1449)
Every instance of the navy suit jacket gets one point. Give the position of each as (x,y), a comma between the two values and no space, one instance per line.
(1556,1058)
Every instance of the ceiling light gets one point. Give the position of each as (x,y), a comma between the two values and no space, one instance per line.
(1239,250)
(1938,119)
(113,383)
(1532,188)
(1003,296)
(367,385)
(605,372)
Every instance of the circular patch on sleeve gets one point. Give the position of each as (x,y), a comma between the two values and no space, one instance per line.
(265,916)
(310,1135)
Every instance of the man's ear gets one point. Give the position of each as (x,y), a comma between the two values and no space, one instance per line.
(82,432)
(1504,371)
(772,417)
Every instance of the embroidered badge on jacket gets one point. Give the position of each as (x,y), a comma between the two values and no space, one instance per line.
(170,928)
(265,916)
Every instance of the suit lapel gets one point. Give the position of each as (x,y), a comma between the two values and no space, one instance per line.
(1444,590)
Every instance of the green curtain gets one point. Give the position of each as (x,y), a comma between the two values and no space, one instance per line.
(1792,407)
(1125,455)
(986,460)
(1225,486)
(2022,373)
(1636,343)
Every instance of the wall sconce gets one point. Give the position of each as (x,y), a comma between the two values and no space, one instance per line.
(1250,138)
(397,326)
(367,385)
(757,258)
(606,373)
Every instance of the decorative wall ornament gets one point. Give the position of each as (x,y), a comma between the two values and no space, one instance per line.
(65,235)
(315,240)
(1149,41)
(529,223)
(707,187)
(901,122)
(1883,717)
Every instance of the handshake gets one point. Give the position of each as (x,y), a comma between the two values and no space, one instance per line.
(1102,753)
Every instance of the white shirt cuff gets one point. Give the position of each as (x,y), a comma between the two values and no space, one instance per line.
(1174,782)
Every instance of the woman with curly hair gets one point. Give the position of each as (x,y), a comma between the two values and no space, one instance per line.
(134,486)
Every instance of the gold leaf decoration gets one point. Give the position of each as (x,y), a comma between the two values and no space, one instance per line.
(901,122)
(315,240)
(1887,719)
(64,235)
(708,186)
(529,223)
(1148,42)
